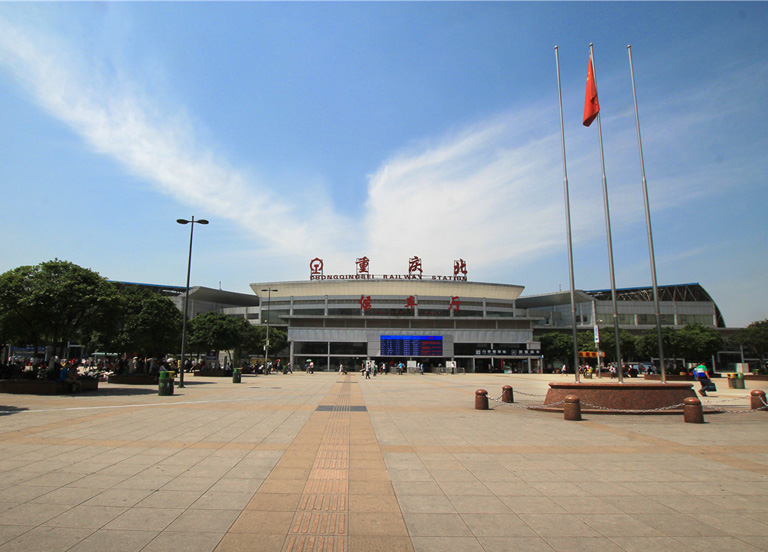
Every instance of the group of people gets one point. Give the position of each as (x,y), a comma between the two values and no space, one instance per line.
(371,367)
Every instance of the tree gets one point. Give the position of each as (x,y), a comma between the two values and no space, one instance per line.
(754,338)
(219,332)
(627,341)
(586,341)
(556,346)
(697,343)
(648,343)
(54,303)
(278,339)
(21,317)
(249,340)
(212,331)
(150,324)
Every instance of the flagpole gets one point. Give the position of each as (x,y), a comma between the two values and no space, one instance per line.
(648,226)
(568,226)
(608,231)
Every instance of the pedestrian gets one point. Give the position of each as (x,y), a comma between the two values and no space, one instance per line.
(367,371)
(700,373)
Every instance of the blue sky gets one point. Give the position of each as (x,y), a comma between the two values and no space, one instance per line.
(386,130)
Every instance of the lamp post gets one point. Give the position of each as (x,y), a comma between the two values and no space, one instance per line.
(192,222)
(266,347)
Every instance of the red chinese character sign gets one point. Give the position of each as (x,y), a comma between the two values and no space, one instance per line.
(362,265)
(410,303)
(316,267)
(363,271)
(365,302)
(414,265)
(459,268)
(454,304)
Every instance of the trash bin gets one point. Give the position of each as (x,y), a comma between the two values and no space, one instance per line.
(165,383)
(236,376)
(735,381)
(738,381)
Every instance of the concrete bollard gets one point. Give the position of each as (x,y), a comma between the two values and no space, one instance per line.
(507,394)
(693,413)
(572,408)
(757,399)
(481,399)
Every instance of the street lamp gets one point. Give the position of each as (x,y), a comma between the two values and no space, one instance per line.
(266,347)
(186,297)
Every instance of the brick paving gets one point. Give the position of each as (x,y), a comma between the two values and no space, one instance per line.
(324,462)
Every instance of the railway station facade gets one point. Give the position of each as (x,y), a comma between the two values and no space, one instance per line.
(443,322)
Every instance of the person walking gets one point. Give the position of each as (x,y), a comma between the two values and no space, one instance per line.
(700,373)
(367,370)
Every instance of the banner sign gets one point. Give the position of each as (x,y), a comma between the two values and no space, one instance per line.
(362,272)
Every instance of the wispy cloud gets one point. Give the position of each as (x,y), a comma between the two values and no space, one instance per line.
(490,193)
(155,142)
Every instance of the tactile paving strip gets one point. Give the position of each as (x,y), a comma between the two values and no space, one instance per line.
(321,518)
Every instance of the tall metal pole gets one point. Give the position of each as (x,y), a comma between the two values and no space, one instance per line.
(648,227)
(596,326)
(568,225)
(192,223)
(608,230)
(266,347)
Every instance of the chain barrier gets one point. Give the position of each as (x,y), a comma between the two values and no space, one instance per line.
(728,400)
(631,411)
(523,406)
(724,411)
(528,394)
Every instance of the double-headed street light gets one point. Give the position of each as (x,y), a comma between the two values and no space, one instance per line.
(266,347)
(186,297)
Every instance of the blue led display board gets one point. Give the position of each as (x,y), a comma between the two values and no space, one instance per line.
(411,345)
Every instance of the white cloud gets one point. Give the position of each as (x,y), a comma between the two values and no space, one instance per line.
(491,194)
(156,143)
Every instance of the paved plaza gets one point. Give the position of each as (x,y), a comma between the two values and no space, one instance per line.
(310,462)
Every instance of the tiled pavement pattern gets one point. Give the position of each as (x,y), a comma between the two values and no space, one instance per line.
(339,463)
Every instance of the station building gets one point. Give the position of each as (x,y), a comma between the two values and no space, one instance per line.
(446,323)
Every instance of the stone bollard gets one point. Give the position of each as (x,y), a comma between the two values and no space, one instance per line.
(507,394)
(572,408)
(693,413)
(757,399)
(481,399)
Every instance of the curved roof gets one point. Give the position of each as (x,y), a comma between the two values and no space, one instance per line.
(552,299)
(678,293)
(394,286)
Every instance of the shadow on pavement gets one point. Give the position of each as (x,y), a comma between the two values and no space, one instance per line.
(6,410)
(119,391)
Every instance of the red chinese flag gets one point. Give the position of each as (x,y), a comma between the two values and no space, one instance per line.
(591,105)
